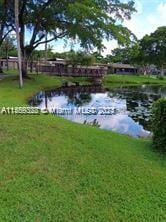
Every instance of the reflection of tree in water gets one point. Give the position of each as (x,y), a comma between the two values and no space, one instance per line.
(40,97)
(79,99)
(140,104)
(154,90)
(139,101)
(36,100)
(47,96)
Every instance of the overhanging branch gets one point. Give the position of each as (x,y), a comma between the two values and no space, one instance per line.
(50,40)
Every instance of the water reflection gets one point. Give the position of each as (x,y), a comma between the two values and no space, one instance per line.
(131,105)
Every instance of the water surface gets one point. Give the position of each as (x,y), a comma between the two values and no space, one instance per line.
(125,109)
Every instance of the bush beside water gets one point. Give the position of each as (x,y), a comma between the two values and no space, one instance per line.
(160,77)
(159,125)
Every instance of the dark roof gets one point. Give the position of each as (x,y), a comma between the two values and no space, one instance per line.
(12,59)
(122,66)
(56,59)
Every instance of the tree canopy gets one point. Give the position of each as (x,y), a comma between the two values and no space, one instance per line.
(87,22)
(150,50)
(153,48)
(79,58)
(6,20)
(8,47)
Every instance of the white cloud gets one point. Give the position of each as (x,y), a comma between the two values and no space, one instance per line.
(159,18)
(133,24)
(109,46)
(136,26)
(162,11)
(139,7)
(145,24)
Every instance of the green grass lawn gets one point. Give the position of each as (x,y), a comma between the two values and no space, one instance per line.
(133,79)
(55,170)
(10,72)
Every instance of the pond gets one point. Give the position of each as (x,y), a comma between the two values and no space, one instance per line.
(125,109)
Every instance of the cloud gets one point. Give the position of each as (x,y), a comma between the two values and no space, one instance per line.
(159,17)
(109,46)
(134,25)
(146,23)
(139,7)
(162,11)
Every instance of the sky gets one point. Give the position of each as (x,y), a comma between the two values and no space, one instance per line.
(150,15)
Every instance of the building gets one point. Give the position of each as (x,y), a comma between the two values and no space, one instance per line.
(12,63)
(58,67)
(118,68)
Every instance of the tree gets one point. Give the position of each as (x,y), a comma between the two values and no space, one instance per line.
(5,25)
(79,58)
(126,55)
(158,124)
(118,55)
(153,48)
(88,22)
(98,57)
(5,15)
(16,7)
(7,47)
(36,55)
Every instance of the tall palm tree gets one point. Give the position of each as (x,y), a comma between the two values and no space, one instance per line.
(18,42)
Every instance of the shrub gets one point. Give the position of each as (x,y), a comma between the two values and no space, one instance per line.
(159,124)
(160,77)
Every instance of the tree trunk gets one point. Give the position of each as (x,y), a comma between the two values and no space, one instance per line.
(31,66)
(162,70)
(37,67)
(46,101)
(1,71)
(7,59)
(24,66)
(18,42)
(46,49)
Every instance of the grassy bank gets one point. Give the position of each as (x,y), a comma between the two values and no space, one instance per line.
(132,79)
(10,94)
(55,170)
